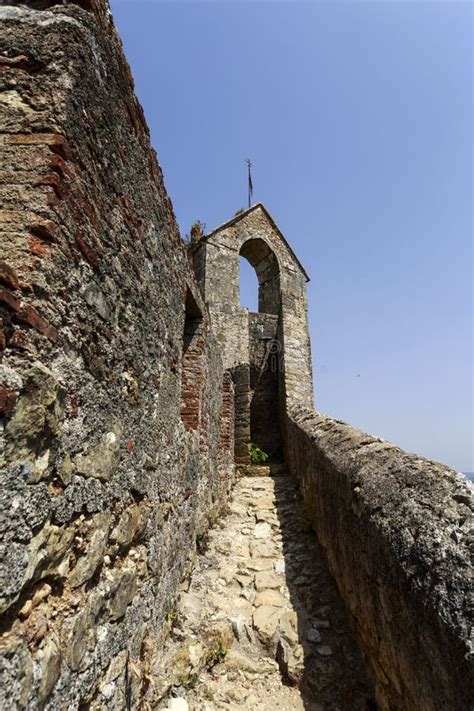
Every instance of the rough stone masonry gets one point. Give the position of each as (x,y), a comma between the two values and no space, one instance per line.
(127,371)
(117,448)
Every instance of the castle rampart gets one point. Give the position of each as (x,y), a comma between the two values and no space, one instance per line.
(123,369)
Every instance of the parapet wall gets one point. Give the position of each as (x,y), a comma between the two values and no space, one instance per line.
(114,453)
(397,530)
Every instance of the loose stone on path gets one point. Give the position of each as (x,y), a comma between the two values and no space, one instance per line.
(260,625)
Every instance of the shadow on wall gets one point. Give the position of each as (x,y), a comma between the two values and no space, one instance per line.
(325,661)
(193,365)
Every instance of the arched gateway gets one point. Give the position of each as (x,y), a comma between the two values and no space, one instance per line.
(268,353)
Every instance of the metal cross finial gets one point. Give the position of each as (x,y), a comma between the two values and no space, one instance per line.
(250,184)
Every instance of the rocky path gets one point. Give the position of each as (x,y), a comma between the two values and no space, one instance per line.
(261,625)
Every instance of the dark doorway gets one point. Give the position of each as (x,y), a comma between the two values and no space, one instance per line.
(192,375)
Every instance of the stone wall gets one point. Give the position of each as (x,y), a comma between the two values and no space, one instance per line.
(265,367)
(107,478)
(257,391)
(397,530)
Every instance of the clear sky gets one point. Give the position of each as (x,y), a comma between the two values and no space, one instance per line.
(358,119)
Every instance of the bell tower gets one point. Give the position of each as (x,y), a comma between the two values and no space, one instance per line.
(268,353)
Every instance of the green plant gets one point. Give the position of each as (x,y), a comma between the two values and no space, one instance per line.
(257,455)
(216,655)
(171,617)
(239,211)
(197,230)
(208,693)
(189,680)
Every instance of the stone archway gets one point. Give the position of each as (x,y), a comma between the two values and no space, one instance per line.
(258,253)
(259,378)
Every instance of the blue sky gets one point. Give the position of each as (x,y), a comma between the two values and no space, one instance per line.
(358,119)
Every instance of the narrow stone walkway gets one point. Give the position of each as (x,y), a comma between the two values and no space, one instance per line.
(261,625)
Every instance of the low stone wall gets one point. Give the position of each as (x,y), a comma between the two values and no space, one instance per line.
(105,486)
(397,531)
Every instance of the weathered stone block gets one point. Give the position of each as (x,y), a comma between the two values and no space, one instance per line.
(49,658)
(78,639)
(87,565)
(102,459)
(123,587)
(46,555)
(127,527)
(33,430)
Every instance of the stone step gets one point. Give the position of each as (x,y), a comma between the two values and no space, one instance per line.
(255,470)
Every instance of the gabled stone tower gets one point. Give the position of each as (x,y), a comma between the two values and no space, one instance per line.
(268,353)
